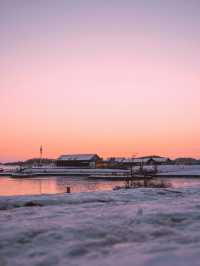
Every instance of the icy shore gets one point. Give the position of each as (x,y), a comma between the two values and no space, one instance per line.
(128,227)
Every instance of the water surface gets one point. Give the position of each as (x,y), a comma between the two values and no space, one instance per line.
(53,185)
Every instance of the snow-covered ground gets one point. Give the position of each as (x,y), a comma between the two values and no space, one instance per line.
(187,170)
(75,171)
(9,168)
(170,170)
(167,170)
(151,227)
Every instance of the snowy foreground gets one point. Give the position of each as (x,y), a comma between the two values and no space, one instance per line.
(128,227)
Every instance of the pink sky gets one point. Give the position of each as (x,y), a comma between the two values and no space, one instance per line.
(104,85)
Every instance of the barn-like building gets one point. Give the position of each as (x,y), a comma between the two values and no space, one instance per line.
(78,160)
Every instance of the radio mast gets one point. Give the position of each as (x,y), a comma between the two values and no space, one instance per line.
(41,153)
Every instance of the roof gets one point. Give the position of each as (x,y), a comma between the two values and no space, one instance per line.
(160,159)
(139,160)
(155,159)
(120,159)
(77,157)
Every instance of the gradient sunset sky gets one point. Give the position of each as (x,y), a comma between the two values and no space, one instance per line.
(109,77)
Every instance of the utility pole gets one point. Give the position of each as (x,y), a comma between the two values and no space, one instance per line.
(41,153)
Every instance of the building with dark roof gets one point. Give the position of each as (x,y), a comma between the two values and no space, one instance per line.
(78,160)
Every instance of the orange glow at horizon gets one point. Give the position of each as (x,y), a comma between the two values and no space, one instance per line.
(95,81)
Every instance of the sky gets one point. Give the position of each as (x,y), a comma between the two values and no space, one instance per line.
(113,77)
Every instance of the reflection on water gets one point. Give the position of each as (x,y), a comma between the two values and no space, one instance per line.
(53,185)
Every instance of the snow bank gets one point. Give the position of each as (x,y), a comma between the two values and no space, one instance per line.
(68,170)
(128,227)
(9,168)
(186,170)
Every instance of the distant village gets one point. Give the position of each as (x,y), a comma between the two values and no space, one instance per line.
(95,161)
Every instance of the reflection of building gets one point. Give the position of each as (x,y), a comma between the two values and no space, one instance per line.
(78,160)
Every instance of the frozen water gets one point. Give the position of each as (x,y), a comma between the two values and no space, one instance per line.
(127,227)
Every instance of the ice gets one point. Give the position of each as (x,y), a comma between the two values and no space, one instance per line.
(127,227)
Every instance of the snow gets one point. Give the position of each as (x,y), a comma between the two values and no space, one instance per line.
(128,227)
(174,170)
(77,157)
(138,160)
(9,168)
(155,159)
(187,170)
(74,171)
